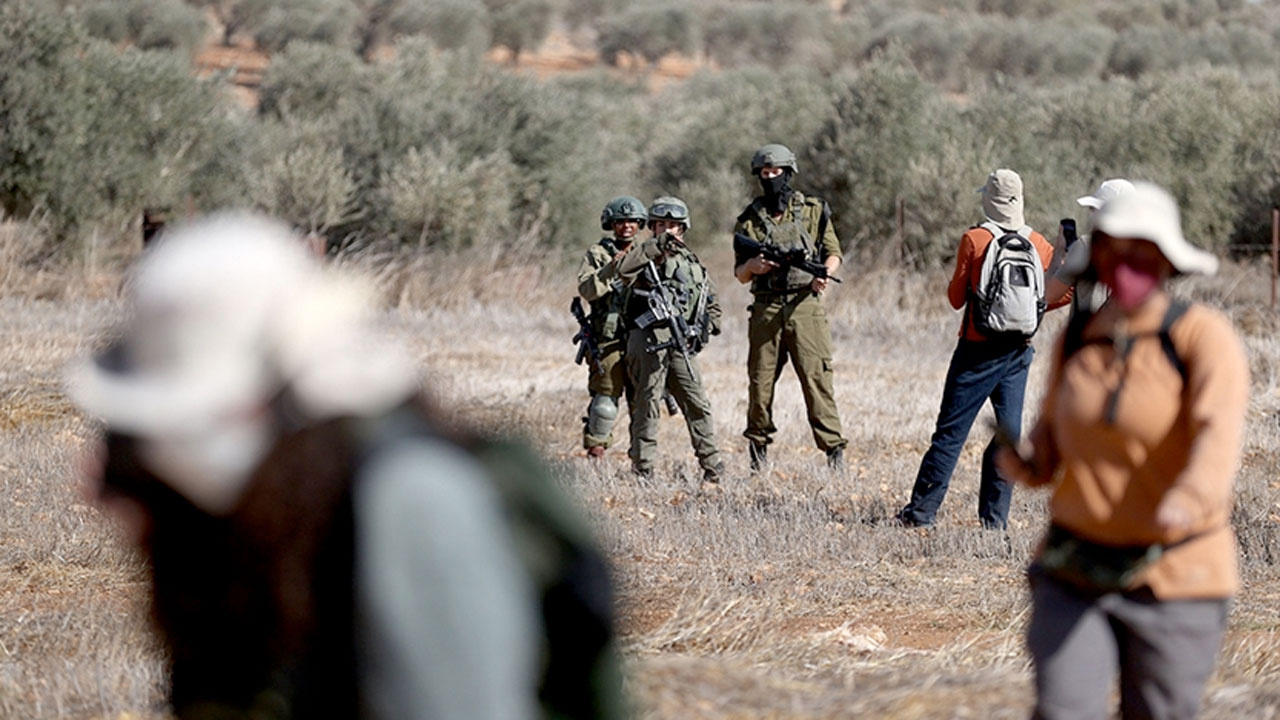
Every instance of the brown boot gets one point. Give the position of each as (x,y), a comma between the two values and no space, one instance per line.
(596,452)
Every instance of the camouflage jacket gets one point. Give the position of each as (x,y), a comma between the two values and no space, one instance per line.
(685,278)
(600,285)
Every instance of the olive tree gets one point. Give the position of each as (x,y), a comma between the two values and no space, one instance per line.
(92,134)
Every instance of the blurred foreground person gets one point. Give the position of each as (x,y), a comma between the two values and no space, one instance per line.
(1140,439)
(321,542)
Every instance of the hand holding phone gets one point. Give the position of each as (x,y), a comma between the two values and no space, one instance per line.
(1068,226)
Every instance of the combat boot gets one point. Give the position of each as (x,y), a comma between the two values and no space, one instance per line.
(759,455)
(835,459)
(713,474)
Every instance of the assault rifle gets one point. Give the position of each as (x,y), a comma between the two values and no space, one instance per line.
(585,339)
(664,309)
(701,330)
(588,349)
(794,258)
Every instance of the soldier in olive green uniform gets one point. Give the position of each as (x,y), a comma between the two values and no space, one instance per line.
(654,360)
(599,285)
(787,318)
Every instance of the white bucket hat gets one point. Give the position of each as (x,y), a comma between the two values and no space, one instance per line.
(1002,199)
(228,311)
(1108,190)
(1149,212)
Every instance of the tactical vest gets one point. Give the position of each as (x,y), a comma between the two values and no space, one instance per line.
(790,232)
(607,312)
(684,276)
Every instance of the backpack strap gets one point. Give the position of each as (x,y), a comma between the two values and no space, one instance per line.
(998,232)
(1177,308)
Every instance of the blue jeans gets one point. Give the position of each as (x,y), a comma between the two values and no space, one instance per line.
(979,370)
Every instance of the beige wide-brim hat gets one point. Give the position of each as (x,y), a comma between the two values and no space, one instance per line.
(1002,199)
(1150,213)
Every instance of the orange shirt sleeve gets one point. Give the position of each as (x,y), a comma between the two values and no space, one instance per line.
(1045,251)
(958,290)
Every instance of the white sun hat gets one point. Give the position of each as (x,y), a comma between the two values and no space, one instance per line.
(226,313)
(1002,199)
(1108,190)
(1149,212)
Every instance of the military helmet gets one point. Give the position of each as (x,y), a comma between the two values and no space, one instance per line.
(669,207)
(623,207)
(775,155)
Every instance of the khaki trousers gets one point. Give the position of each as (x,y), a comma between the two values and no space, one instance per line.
(791,328)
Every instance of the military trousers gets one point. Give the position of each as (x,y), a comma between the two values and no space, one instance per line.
(791,327)
(651,374)
(614,383)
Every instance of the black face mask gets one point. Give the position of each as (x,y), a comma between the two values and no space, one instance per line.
(777,191)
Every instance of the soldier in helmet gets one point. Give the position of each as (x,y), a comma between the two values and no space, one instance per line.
(599,285)
(787,319)
(654,361)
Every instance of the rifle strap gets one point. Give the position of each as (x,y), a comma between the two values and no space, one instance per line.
(823,218)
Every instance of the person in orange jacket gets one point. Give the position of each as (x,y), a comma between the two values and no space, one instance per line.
(984,365)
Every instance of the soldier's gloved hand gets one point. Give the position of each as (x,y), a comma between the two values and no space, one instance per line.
(651,249)
(669,243)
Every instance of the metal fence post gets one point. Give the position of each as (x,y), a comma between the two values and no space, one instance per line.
(1275,252)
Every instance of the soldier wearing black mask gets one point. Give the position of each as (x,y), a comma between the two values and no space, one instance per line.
(777,191)
(787,318)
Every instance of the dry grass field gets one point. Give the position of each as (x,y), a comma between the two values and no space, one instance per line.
(784,595)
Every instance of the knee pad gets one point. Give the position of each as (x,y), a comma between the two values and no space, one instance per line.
(601,413)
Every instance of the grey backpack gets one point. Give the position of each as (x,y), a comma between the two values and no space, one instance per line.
(1009,301)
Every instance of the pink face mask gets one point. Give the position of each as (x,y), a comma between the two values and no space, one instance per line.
(1130,286)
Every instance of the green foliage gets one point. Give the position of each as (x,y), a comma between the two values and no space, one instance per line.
(436,197)
(327,21)
(383,20)
(648,31)
(884,118)
(301,177)
(522,24)
(432,145)
(578,13)
(739,33)
(92,134)
(702,136)
(458,25)
(311,80)
(521,154)
(148,24)
(236,15)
